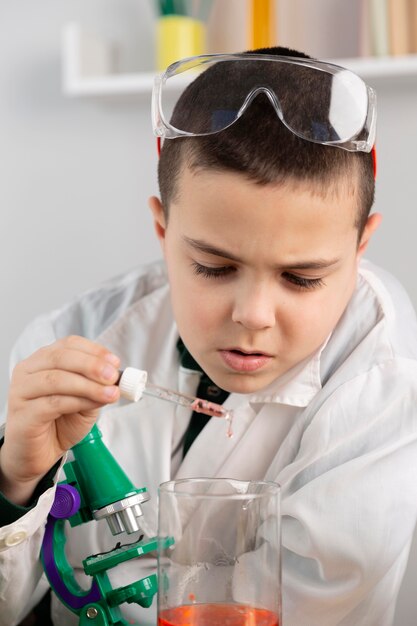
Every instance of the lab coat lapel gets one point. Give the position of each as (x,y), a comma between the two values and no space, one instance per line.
(214,454)
(212,446)
(145,337)
(145,455)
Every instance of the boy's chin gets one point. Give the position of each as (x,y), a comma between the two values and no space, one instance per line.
(242,383)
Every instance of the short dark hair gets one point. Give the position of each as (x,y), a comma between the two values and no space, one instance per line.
(261,148)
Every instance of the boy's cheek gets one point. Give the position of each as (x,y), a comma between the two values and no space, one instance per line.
(316,315)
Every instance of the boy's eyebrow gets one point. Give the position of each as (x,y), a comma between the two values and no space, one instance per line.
(202,246)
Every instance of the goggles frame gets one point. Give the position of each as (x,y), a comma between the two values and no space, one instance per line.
(165,130)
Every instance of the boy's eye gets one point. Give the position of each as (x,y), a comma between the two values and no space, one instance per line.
(303,283)
(212,272)
(220,272)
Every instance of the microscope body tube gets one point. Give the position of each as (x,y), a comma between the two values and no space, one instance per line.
(107,490)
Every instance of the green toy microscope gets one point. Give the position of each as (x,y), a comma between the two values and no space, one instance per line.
(84,496)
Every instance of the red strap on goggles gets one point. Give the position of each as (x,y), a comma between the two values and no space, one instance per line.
(373,152)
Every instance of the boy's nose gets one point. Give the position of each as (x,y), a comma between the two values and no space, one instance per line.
(254,308)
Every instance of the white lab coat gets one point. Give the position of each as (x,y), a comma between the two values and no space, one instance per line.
(338,432)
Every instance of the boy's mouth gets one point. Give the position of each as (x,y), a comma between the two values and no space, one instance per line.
(243,360)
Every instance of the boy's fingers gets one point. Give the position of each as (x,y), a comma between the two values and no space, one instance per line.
(52,384)
(63,406)
(101,367)
(79,344)
(76,342)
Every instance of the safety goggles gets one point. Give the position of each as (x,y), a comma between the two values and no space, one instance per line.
(317,101)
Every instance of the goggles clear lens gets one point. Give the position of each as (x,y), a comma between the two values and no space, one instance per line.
(317,101)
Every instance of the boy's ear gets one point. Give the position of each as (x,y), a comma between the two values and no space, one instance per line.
(159,219)
(372,224)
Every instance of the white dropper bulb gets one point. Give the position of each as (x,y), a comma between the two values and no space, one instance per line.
(132,383)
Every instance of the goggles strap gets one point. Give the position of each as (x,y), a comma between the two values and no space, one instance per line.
(373,152)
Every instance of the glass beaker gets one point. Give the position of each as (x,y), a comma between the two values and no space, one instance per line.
(224,564)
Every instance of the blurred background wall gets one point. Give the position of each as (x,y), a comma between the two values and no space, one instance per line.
(76,174)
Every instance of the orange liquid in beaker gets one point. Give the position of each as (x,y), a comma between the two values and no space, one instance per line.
(217,615)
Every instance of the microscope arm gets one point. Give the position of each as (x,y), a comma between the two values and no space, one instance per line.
(87,495)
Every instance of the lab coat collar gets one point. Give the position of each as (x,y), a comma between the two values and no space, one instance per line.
(296,387)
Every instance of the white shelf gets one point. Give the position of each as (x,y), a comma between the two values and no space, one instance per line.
(88,69)
(374,68)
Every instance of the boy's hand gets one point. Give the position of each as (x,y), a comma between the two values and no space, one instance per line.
(54,400)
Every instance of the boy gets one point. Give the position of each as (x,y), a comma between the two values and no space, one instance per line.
(263,224)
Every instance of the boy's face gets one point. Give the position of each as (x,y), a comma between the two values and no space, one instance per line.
(259,274)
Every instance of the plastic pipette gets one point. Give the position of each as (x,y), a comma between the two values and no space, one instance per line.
(133,384)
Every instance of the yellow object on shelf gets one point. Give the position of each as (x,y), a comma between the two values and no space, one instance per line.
(177,37)
(262,24)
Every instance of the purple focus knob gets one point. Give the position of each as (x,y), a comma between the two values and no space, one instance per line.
(67,502)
